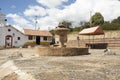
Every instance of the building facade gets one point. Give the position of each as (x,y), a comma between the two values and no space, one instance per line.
(12,37)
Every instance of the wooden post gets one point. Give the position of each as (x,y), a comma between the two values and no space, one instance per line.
(89,42)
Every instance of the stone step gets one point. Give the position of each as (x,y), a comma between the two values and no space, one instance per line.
(9,71)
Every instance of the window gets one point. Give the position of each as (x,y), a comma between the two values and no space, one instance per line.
(18,38)
(5,19)
(9,30)
(45,38)
(30,37)
(13,34)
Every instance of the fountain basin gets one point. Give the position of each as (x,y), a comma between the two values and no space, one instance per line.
(60,51)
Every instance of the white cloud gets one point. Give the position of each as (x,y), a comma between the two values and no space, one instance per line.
(51,3)
(19,28)
(46,23)
(80,11)
(35,11)
(20,21)
(75,12)
(108,8)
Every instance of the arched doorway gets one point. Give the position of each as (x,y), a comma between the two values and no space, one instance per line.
(8,41)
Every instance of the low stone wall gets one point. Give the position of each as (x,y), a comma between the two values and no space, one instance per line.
(57,51)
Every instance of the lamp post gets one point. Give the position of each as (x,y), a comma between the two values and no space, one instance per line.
(78,39)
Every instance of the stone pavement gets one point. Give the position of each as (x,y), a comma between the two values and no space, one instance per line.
(95,66)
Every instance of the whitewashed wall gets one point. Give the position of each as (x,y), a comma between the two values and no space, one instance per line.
(49,39)
(16,43)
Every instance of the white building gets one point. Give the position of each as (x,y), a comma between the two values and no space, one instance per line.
(12,37)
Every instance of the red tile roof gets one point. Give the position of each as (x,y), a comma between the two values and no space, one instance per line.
(92,31)
(36,32)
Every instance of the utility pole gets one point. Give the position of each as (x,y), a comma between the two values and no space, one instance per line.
(49,28)
(90,18)
(36,17)
(90,26)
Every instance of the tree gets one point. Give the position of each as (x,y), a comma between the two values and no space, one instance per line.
(111,26)
(116,20)
(84,24)
(97,19)
(67,24)
(52,32)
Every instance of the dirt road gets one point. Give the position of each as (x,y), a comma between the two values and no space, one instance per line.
(95,66)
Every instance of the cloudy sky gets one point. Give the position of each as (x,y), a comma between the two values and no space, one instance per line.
(21,13)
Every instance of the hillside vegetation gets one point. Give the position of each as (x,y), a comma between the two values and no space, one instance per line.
(96,19)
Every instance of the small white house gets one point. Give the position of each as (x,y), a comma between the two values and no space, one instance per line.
(12,37)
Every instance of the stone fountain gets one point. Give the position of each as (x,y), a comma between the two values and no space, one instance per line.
(63,50)
(62,31)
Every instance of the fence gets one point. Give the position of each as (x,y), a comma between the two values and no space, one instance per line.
(112,42)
